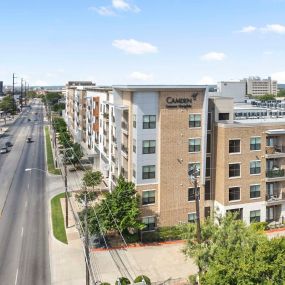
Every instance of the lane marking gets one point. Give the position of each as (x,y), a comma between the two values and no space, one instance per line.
(22,232)
(16,276)
(26,204)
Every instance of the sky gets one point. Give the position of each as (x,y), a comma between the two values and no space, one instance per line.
(50,42)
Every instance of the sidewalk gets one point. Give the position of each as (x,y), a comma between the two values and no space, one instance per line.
(66,261)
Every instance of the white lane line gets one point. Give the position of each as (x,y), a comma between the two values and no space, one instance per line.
(16,280)
(22,231)
(26,204)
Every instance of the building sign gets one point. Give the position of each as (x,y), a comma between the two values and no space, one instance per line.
(184,102)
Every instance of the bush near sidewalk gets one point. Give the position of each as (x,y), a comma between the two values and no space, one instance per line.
(57,219)
(50,161)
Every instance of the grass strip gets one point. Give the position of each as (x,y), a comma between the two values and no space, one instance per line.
(50,161)
(57,219)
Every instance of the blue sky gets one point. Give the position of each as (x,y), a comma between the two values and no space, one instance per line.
(141,41)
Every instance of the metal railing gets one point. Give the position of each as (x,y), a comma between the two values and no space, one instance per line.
(275,196)
(272,173)
(275,149)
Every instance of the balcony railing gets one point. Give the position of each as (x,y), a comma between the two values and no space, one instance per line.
(106,116)
(124,149)
(275,149)
(114,139)
(275,196)
(275,173)
(125,126)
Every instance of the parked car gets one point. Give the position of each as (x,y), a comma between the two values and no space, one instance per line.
(8,144)
(4,149)
(29,140)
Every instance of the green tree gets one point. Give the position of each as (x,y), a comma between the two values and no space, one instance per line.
(234,253)
(281,93)
(121,205)
(59,125)
(75,154)
(90,179)
(266,97)
(8,105)
(58,107)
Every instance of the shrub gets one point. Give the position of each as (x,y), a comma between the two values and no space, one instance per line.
(105,283)
(141,278)
(260,226)
(123,281)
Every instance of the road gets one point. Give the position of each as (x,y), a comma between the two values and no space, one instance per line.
(24,247)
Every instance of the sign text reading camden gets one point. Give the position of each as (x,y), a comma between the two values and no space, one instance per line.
(181,102)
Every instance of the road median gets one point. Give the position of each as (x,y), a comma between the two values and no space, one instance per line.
(57,219)
(49,155)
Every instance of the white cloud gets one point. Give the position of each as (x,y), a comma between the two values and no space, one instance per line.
(125,6)
(274,28)
(134,47)
(268,52)
(207,80)
(213,56)
(141,76)
(247,29)
(103,11)
(279,76)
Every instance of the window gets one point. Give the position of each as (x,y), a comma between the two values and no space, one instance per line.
(207,190)
(234,193)
(254,191)
(194,145)
(149,223)
(192,217)
(209,124)
(224,116)
(148,147)
(194,168)
(134,121)
(209,143)
(148,197)
(148,172)
(134,173)
(149,122)
(134,145)
(191,194)
(255,167)
(255,143)
(255,216)
(208,166)
(194,120)
(207,212)
(234,170)
(234,146)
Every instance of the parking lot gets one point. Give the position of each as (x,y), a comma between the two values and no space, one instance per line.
(160,263)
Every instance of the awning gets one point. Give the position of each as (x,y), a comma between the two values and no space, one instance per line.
(276,132)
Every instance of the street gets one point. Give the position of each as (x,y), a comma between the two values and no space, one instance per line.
(24,251)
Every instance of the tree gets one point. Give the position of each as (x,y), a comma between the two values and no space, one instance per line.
(90,179)
(58,107)
(59,125)
(281,93)
(119,208)
(75,154)
(234,253)
(266,97)
(8,105)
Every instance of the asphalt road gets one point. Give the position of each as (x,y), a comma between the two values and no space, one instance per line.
(24,250)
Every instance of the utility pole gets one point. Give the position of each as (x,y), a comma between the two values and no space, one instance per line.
(21,97)
(66,195)
(13,90)
(87,261)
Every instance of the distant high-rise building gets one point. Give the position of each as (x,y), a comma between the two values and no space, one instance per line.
(1,88)
(256,86)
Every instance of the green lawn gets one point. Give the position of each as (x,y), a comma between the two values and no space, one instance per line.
(50,161)
(57,219)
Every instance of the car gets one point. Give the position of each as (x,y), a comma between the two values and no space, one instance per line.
(8,144)
(29,140)
(4,149)
(97,241)
(29,119)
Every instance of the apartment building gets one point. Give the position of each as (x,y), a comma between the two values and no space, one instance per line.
(156,135)
(257,86)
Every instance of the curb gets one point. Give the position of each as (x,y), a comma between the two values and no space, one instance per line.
(141,245)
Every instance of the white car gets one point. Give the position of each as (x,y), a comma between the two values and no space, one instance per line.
(4,149)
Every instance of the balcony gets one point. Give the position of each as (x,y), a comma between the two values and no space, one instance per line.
(275,151)
(125,151)
(113,159)
(275,199)
(275,174)
(125,128)
(106,116)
